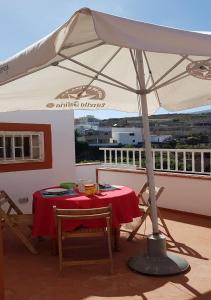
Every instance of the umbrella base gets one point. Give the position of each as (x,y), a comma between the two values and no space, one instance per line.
(158,261)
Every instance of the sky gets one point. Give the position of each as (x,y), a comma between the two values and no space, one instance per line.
(23,22)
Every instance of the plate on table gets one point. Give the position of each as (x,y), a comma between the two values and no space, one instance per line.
(107,187)
(55,191)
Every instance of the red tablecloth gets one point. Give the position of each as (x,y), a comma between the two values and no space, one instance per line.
(124,209)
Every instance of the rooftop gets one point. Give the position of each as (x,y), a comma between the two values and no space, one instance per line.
(37,277)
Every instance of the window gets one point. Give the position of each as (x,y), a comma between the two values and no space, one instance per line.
(21,146)
(131,134)
(25,147)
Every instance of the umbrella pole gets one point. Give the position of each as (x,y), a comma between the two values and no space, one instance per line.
(157,261)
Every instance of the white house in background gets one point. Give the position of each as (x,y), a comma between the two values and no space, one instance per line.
(133,136)
(126,135)
(160,138)
(36,151)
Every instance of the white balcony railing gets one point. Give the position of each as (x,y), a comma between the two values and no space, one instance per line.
(197,161)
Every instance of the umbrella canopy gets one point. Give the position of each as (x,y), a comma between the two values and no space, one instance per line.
(90,63)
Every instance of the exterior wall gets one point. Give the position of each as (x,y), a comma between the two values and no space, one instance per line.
(87,172)
(23,184)
(183,193)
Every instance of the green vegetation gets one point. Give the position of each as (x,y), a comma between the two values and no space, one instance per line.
(85,153)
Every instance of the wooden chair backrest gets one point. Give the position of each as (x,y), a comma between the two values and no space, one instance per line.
(7,206)
(83,214)
(11,215)
(145,190)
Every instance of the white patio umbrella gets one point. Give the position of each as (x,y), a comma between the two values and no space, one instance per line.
(99,61)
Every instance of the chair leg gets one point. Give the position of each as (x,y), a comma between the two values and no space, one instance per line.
(164,224)
(143,218)
(60,253)
(109,240)
(22,237)
(116,237)
(167,230)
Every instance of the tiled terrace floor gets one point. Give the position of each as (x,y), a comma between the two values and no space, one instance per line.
(37,277)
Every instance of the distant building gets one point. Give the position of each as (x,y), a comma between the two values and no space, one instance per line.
(87,120)
(160,138)
(96,137)
(90,130)
(126,135)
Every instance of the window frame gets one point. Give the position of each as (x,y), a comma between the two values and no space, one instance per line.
(45,162)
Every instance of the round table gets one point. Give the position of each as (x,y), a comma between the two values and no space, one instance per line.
(124,208)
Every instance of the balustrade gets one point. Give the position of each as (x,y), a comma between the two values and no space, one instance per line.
(165,160)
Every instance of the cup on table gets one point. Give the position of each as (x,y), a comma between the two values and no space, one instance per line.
(90,189)
(80,185)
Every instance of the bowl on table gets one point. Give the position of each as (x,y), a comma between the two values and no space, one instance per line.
(67,185)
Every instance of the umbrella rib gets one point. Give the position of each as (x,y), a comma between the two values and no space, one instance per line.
(95,71)
(189,59)
(135,67)
(82,51)
(89,76)
(167,72)
(99,72)
(81,44)
(46,66)
(173,79)
(24,75)
(150,73)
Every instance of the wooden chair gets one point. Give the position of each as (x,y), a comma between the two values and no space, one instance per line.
(144,206)
(84,214)
(13,217)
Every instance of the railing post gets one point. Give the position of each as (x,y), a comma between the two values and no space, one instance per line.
(193,161)
(140,159)
(184,161)
(115,152)
(127,155)
(202,161)
(176,160)
(121,153)
(161,160)
(153,158)
(105,160)
(110,156)
(134,160)
(168,160)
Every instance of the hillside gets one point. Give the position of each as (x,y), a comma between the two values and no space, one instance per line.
(165,118)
